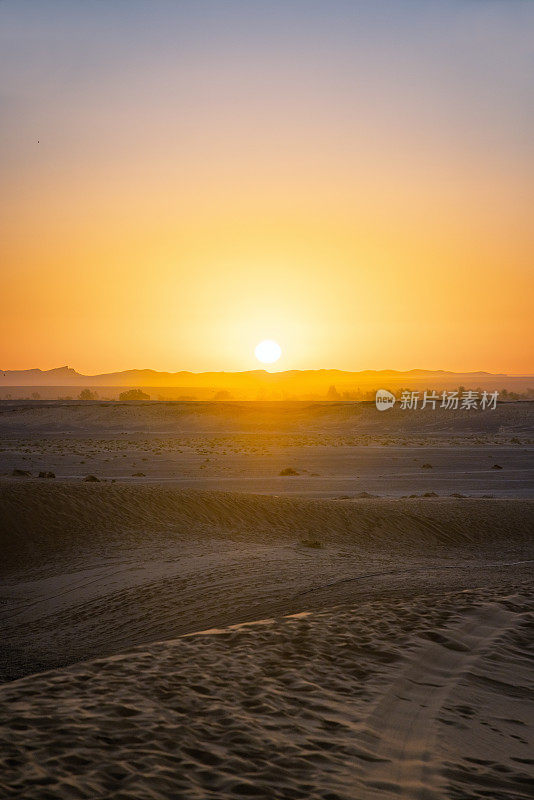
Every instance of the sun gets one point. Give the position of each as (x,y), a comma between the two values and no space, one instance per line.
(268,351)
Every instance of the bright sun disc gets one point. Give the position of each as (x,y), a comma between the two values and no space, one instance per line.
(268,351)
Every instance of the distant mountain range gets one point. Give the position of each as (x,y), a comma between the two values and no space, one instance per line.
(66,376)
(254,384)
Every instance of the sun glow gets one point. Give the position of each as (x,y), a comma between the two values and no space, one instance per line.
(268,351)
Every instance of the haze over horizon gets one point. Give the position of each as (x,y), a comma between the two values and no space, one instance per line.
(260,368)
(256,384)
(353,180)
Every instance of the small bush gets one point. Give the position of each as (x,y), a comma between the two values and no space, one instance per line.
(134,394)
(87,394)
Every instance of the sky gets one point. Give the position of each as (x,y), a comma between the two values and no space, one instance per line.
(180,180)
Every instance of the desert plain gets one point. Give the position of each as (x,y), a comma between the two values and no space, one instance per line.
(271,600)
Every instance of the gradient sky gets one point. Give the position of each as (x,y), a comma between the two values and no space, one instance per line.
(182,179)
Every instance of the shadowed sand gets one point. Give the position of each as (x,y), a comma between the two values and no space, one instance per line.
(91,569)
(427,698)
(377,647)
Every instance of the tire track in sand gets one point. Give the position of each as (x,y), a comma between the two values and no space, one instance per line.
(401,729)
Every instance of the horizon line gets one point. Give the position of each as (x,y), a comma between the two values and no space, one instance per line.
(71,370)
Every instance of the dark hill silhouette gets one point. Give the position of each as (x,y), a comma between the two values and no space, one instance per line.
(66,376)
(332,384)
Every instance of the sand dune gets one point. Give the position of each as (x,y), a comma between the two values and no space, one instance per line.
(93,569)
(425,699)
(405,672)
(41,522)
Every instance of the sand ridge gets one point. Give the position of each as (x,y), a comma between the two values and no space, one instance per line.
(95,569)
(259,710)
(42,522)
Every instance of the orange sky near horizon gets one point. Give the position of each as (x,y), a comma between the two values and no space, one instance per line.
(179,184)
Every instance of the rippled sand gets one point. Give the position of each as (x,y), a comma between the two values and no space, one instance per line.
(357,648)
(422,699)
(89,570)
